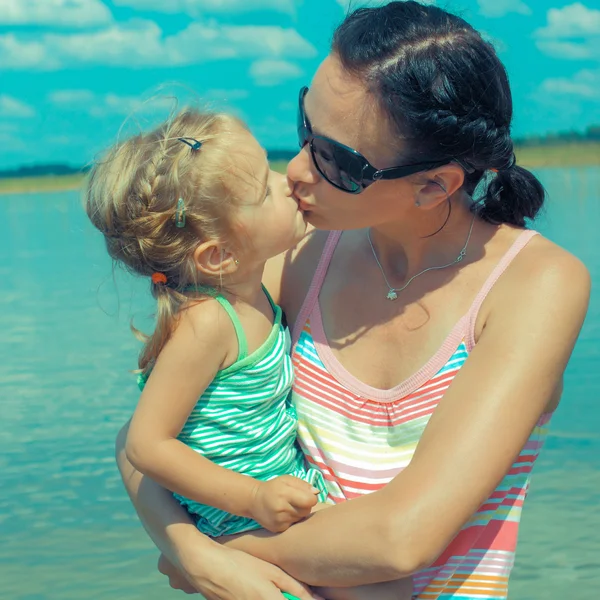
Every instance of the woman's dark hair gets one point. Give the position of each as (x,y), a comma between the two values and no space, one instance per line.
(447,94)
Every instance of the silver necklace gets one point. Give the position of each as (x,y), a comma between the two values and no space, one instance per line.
(393,292)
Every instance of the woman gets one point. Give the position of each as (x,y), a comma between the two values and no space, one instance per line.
(431,330)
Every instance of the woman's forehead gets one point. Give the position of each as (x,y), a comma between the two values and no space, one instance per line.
(339,106)
(335,101)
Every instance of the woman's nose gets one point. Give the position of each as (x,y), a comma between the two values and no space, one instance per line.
(301,169)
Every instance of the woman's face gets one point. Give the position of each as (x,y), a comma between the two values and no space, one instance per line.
(339,107)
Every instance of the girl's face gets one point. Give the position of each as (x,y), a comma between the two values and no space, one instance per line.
(268,220)
(340,108)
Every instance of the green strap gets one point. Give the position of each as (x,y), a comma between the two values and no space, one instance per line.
(239,330)
(273,305)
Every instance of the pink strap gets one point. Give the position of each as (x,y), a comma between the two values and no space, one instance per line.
(522,240)
(316,284)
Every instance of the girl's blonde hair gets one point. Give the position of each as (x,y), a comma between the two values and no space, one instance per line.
(132,197)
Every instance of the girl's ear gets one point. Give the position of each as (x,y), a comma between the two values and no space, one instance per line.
(214,260)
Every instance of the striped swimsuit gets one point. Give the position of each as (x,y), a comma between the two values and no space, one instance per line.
(244,421)
(360,437)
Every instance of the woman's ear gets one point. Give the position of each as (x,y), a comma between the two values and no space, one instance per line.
(214,260)
(436,186)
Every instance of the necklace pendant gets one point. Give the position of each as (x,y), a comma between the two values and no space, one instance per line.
(392,295)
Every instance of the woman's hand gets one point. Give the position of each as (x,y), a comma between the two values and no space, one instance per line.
(235,575)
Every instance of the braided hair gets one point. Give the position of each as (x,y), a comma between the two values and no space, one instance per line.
(132,197)
(447,95)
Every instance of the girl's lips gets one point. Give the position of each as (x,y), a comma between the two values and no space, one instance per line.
(302,205)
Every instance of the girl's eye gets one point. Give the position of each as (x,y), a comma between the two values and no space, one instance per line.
(268,193)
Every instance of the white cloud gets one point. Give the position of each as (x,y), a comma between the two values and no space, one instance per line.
(159,103)
(139,43)
(104,105)
(15,109)
(205,42)
(270,72)
(570,50)
(97,105)
(572,32)
(71,98)
(585,85)
(197,8)
(58,13)
(225,95)
(499,8)
(575,20)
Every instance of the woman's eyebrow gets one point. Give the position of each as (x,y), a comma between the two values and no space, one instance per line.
(317,130)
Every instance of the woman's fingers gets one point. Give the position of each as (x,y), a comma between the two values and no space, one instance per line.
(288,584)
(176,580)
(239,576)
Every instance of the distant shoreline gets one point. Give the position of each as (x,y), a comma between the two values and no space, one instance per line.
(579,154)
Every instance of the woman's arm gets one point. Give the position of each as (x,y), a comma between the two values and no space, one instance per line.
(476,432)
(217,572)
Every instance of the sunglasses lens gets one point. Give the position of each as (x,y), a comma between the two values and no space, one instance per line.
(338,165)
(301,125)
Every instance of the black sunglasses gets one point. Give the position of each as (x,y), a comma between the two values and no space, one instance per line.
(343,167)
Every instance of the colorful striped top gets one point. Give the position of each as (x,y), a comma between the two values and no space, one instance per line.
(245,421)
(361,437)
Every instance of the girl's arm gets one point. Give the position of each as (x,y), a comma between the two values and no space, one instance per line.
(480,426)
(187,364)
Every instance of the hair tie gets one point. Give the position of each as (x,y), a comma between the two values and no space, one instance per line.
(159,278)
(512,161)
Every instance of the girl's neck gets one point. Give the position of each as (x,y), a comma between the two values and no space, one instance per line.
(245,285)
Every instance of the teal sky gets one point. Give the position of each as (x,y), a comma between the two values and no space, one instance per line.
(73,71)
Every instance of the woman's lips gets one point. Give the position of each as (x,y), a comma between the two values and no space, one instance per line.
(302,204)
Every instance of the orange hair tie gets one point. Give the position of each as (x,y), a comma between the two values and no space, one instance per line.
(158,278)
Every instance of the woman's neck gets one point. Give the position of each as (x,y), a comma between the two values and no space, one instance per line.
(406,248)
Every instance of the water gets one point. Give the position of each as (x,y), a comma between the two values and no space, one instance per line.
(67,530)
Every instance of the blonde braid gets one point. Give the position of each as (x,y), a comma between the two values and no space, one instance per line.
(132,199)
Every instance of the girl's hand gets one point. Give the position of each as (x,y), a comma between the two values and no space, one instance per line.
(235,575)
(281,502)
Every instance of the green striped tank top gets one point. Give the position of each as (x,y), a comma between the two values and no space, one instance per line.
(245,421)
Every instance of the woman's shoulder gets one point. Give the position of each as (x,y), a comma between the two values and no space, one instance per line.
(542,273)
(544,262)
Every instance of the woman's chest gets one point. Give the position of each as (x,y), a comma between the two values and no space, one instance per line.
(384,346)
(361,437)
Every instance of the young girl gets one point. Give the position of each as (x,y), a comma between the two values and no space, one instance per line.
(194,207)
